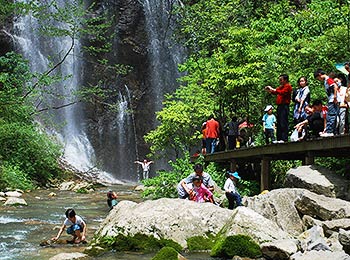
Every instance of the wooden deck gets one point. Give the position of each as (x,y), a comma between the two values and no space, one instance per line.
(337,146)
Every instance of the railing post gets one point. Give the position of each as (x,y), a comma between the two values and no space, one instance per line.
(309,158)
(265,173)
(233,165)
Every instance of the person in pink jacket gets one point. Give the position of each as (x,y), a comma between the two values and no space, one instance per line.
(200,193)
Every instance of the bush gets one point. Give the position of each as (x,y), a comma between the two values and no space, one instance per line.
(12,177)
(167,253)
(199,243)
(138,242)
(238,245)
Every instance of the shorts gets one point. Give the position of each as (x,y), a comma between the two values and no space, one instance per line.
(71,230)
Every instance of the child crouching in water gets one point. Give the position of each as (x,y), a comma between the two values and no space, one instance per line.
(77,227)
(200,193)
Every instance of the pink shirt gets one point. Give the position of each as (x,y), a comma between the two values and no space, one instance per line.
(202,193)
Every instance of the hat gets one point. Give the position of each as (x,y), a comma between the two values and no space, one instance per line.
(234,174)
(268,107)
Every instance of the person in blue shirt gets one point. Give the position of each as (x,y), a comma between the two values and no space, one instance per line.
(269,124)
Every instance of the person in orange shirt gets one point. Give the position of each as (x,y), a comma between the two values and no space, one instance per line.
(283,98)
(212,134)
(204,144)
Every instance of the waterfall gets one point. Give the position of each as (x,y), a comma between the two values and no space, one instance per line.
(68,121)
(93,135)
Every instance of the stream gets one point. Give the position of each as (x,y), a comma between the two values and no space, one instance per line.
(23,228)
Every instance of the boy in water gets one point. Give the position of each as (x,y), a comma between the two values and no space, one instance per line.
(111,199)
(77,227)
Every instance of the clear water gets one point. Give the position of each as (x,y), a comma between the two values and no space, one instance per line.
(23,228)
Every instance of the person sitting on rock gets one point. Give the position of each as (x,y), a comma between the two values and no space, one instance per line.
(111,199)
(230,190)
(198,171)
(77,227)
(200,193)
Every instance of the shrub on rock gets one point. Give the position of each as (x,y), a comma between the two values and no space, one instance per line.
(167,252)
(237,245)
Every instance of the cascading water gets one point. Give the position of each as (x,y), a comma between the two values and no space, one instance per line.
(93,136)
(69,120)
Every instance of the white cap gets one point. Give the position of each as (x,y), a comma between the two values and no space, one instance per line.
(268,107)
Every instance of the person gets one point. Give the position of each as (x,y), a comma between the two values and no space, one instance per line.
(340,80)
(77,227)
(332,93)
(315,119)
(184,191)
(112,199)
(302,99)
(145,167)
(212,131)
(230,190)
(283,98)
(269,127)
(200,193)
(233,132)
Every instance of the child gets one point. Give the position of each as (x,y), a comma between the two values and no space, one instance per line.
(230,190)
(200,192)
(77,227)
(269,121)
(111,199)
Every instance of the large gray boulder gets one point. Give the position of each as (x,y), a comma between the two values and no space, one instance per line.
(279,249)
(245,221)
(318,180)
(173,219)
(322,207)
(278,206)
(320,255)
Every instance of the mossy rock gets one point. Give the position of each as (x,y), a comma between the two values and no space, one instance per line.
(137,243)
(167,253)
(238,245)
(200,243)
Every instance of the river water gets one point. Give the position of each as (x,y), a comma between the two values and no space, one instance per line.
(23,228)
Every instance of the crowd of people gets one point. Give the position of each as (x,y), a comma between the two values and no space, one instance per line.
(311,118)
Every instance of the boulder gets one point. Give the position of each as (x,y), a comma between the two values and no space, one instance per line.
(82,185)
(279,249)
(278,206)
(336,224)
(14,201)
(309,222)
(322,207)
(68,185)
(320,255)
(2,199)
(140,188)
(344,239)
(313,239)
(16,194)
(318,180)
(69,256)
(173,219)
(245,221)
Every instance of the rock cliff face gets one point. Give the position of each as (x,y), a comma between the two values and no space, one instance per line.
(141,38)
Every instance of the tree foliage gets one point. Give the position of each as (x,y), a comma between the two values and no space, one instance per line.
(238,47)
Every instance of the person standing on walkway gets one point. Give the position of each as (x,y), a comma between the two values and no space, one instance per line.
(145,167)
(333,108)
(212,131)
(283,98)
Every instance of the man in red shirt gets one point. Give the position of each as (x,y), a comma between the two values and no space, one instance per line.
(283,98)
(212,133)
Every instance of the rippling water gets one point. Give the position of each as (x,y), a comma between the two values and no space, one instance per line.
(23,228)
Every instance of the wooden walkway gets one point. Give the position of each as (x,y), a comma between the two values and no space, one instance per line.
(337,146)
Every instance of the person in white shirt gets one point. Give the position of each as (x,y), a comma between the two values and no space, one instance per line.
(230,190)
(145,167)
(77,227)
